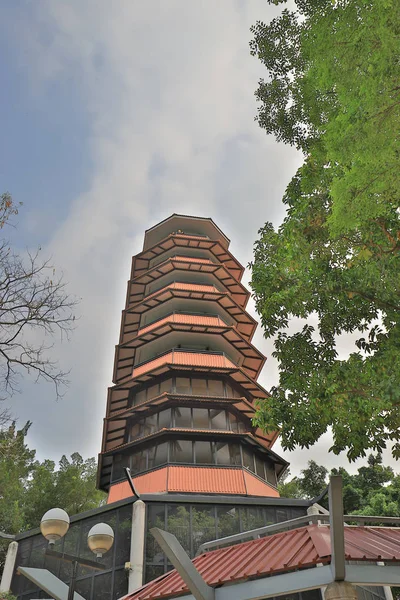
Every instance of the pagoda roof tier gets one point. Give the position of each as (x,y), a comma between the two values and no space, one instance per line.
(187,224)
(194,266)
(105,458)
(194,480)
(143,261)
(115,426)
(241,404)
(118,395)
(200,434)
(176,290)
(247,356)
(202,361)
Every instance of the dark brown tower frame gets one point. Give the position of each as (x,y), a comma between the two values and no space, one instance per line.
(179,412)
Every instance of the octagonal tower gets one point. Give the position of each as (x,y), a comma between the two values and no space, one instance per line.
(185,374)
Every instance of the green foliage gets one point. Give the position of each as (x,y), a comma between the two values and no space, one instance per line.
(7,596)
(310,484)
(29,488)
(333,92)
(373,490)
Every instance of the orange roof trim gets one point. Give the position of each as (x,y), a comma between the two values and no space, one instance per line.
(208,480)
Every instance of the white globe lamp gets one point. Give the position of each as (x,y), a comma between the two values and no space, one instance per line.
(100,539)
(54,524)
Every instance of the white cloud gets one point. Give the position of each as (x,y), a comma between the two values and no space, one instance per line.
(168,92)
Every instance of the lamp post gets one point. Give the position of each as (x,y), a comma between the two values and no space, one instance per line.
(55,524)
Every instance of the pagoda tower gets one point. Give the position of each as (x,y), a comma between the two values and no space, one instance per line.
(179,414)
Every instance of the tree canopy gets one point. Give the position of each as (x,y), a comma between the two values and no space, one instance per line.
(333,91)
(373,491)
(29,488)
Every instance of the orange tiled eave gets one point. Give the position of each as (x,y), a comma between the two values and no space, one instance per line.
(188,479)
(185,358)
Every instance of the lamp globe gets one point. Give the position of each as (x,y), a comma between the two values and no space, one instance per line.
(54,524)
(100,539)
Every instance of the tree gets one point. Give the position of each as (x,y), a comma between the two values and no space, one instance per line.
(333,92)
(374,490)
(312,481)
(29,488)
(34,306)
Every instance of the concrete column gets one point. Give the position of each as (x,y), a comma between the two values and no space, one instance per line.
(137,546)
(386,589)
(9,565)
(340,590)
(312,510)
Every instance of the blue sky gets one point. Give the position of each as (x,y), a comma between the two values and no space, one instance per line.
(115,115)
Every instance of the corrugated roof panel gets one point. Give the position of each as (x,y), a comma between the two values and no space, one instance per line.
(275,554)
(256,487)
(192,479)
(206,479)
(185,358)
(185,319)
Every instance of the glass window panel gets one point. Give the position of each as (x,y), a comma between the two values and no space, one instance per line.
(234,450)
(102,586)
(218,419)
(298,512)
(178,523)
(183,417)
(204,453)
(39,545)
(260,467)
(151,455)
(153,571)
(84,587)
(215,387)
(282,514)
(248,458)
(203,526)
(182,385)
(122,532)
(71,541)
(164,419)
(120,585)
(138,461)
(270,515)
(200,418)
(233,422)
(242,427)
(120,461)
(228,390)
(161,454)
(199,387)
(155,518)
(228,520)
(182,451)
(135,431)
(140,397)
(256,517)
(222,453)
(153,391)
(150,424)
(270,472)
(166,386)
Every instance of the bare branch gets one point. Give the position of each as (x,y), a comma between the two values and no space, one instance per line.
(34,306)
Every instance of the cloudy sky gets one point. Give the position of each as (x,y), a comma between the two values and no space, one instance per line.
(114,116)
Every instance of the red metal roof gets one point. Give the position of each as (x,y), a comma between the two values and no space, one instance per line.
(190,479)
(299,548)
